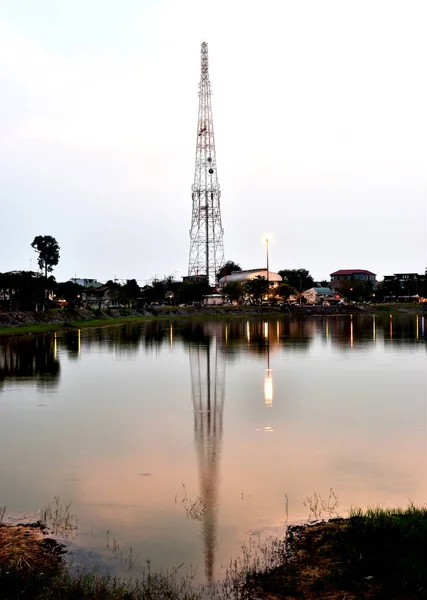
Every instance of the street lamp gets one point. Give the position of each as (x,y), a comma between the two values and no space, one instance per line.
(268,273)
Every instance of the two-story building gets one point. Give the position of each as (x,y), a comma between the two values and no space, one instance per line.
(337,277)
(405,284)
(99,297)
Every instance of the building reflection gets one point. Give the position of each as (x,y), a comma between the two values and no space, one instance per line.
(207,367)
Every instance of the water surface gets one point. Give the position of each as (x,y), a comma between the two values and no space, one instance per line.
(184,438)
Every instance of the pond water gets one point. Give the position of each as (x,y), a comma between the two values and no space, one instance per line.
(181,439)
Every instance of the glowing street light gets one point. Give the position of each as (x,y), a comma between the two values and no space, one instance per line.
(268,270)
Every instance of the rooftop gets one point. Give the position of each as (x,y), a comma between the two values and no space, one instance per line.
(248,274)
(352,272)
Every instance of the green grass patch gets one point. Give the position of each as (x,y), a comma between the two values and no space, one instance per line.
(385,550)
(51,327)
(397,308)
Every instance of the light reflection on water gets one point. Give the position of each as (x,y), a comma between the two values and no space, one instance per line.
(180,437)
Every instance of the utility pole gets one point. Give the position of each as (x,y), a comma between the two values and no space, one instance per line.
(268,271)
(206,233)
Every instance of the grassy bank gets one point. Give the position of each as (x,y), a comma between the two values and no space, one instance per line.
(33,328)
(32,323)
(373,554)
(397,309)
(63,320)
(377,553)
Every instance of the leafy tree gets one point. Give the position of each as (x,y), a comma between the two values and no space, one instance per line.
(356,290)
(257,287)
(115,290)
(23,290)
(130,291)
(300,279)
(48,251)
(227,268)
(70,291)
(234,290)
(154,292)
(284,290)
(324,283)
(192,291)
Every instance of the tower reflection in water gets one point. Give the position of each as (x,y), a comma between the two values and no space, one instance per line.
(207,367)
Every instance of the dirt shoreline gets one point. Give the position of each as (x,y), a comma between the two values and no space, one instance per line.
(28,548)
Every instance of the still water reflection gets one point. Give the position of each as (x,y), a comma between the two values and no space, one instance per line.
(182,438)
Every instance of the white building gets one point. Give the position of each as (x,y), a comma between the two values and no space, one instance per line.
(242,276)
(319,295)
(86,282)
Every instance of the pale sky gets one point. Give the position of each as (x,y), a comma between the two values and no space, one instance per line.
(319,111)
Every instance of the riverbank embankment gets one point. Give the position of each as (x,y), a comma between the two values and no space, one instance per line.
(20,322)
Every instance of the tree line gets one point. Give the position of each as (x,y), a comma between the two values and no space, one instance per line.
(27,290)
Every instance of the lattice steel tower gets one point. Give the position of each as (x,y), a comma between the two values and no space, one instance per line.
(206,233)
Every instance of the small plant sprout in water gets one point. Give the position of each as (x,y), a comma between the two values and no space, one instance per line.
(195,510)
(318,507)
(57,517)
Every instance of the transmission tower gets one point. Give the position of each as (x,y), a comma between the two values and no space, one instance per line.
(206,233)
(207,366)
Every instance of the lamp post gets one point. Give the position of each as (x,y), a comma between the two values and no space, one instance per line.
(268,274)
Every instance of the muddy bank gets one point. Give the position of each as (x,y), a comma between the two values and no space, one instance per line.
(28,558)
(28,547)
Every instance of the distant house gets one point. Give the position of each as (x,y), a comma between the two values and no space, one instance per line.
(213,299)
(337,277)
(98,297)
(320,295)
(89,283)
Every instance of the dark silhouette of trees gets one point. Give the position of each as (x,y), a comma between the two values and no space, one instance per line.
(257,287)
(69,291)
(192,291)
(227,268)
(300,279)
(130,292)
(23,290)
(235,290)
(356,289)
(48,251)
(284,290)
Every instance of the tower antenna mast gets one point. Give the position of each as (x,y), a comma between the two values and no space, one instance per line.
(206,233)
